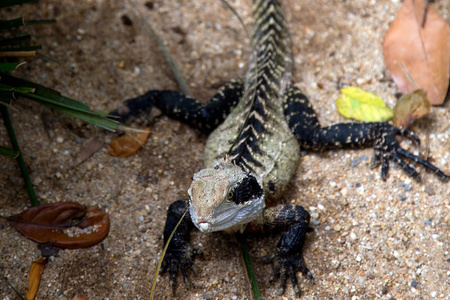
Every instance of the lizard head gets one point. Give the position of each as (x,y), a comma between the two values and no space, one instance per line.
(224,197)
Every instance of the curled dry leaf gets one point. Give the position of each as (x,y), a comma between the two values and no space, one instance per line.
(416,56)
(410,107)
(127,145)
(36,270)
(66,225)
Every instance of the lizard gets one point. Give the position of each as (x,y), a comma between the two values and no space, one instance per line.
(257,128)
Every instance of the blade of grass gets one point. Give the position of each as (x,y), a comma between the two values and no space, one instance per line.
(8,152)
(158,267)
(14,289)
(10,66)
(15,40)
(21,48)
(8,24)
(249,267)
(20,160)
(40,22)
(173,66)
(61,103)
(6,3)
(238,16)
(8,88)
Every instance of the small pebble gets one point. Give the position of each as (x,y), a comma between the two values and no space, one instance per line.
(428,222)
(355,162)
(408,187)
(315,222)
(207,296)
(414,284)
(141,218)
(430,190)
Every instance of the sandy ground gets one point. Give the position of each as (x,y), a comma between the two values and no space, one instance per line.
(371,239)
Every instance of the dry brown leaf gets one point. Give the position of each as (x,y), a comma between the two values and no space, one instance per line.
(88,150)
(66,225)
(127,145)
(36,270)
(80,297)
(410,107)
(416,56)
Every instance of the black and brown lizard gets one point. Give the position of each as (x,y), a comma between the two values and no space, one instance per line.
(257,129)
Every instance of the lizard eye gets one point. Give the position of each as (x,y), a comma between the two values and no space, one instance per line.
(230,195)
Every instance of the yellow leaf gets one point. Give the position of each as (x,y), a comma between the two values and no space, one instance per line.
(360,105)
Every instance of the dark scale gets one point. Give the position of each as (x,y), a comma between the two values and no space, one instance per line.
(257,130)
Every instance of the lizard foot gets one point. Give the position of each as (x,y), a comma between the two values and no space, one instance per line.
(387,147)
(179,259)
(287,265)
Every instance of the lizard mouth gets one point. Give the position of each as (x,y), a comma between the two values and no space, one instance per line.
(204,226)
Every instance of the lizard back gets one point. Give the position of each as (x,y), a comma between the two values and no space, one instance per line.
(256,136)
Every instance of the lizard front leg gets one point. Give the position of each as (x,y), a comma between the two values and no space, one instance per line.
(381,136)
(288,257)
(205,117)
(179,253)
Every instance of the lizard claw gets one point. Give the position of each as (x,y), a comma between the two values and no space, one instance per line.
(287,266)
(180,259)
(387,148)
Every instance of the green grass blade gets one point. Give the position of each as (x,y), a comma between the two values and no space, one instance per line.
(61,103)
(10,66)
(21,48)
(40,22)
(5,3)
(23,168)
(8,24)
(173,66)
(14,289)
(237,16)
(8,88)
(249,268)
(15,40)
(162,255)
(9,152)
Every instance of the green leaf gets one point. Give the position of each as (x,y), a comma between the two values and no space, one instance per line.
(24,89)
(9,152)
(10,66)
(60,103)
(360,105)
